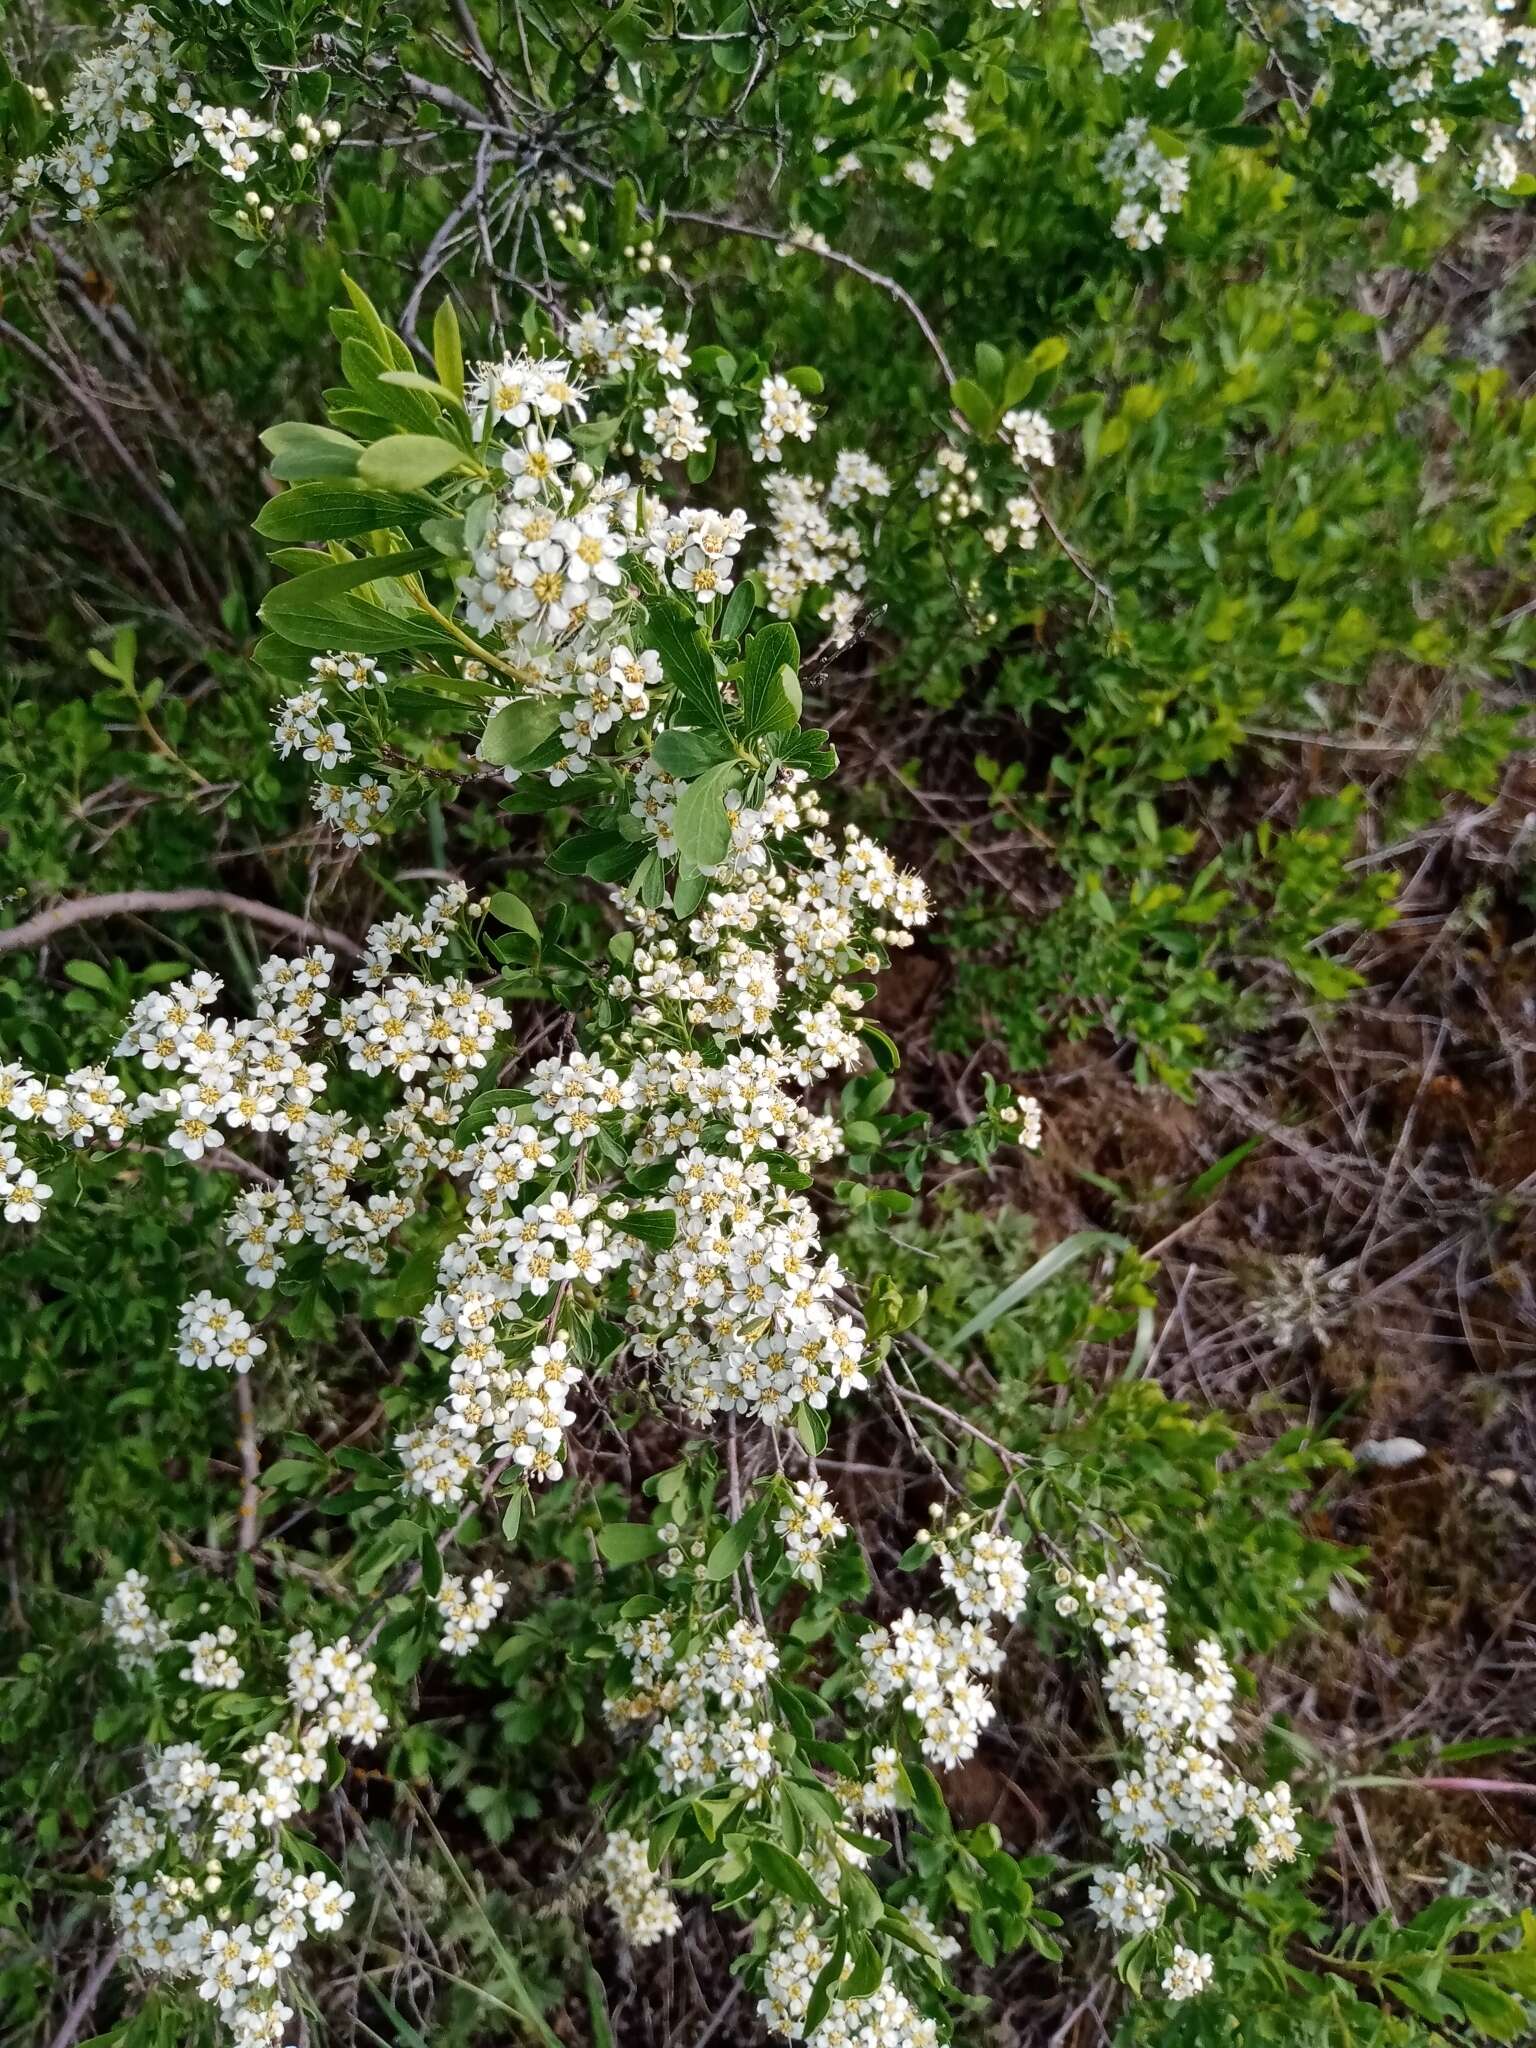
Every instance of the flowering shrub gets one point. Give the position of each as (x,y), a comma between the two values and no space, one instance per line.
(530,1200)
(629,1208)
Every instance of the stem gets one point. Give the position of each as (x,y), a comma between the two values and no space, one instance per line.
(84,2001)
(467,641)
(250,1465)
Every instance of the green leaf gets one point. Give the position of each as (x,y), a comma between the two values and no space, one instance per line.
(518,730)
(340,577)
(89,975)
(628,1542)
(408,462)
(448,350)
(860,1900)
(974,405)
(656,1227)
(700,825)
(626,207)
(332,511)
(739,608)
(728,1550)
(867,1967)
(1207,1183)
(672,629)
(1039,1275)
(811,1428)
(826,1984)
(1491,2012)
(431,1566)
(882,1047)
(769,703)
(317,611)
(990,367)
(378,334)
(781,1873)
(512,910)
(927,1800)
(406,2035)
(300,451)
(447,410)
(364,370)
(686,753)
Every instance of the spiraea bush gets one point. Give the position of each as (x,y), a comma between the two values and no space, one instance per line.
(446,1344)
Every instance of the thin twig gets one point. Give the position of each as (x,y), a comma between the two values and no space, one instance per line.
(250,1465)
(36,931)
(83,2004)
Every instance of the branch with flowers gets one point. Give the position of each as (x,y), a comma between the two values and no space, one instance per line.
(640,1207)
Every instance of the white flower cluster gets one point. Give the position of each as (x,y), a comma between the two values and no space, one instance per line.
(200,1891)
(123,90)
(645,1910)
(468,1611)
(707,1695)
(810,553)
(808,1523)
(213,1332)
(615,348)
(1406,36)
(1029,437)
(953,480)
(1187,1974)
(1026,1113)
(354,811)
(933,1667)
(1182,1786)
(985,1572)
(22,1193)
(1412,40)
(139,1632)
(951,124)
(1152,185)
(336,1682)
(214,1665)
(786,416)
(886,2018)
(1120,46)
(1128,1901)
(112,93)
(302,727)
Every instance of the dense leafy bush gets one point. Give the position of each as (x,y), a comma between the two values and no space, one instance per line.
(513,1405)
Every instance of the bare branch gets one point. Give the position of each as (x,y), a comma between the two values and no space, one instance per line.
(36,931)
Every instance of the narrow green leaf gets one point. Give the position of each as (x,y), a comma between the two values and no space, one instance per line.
(333,511)
(448,349)
(1040,1274)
